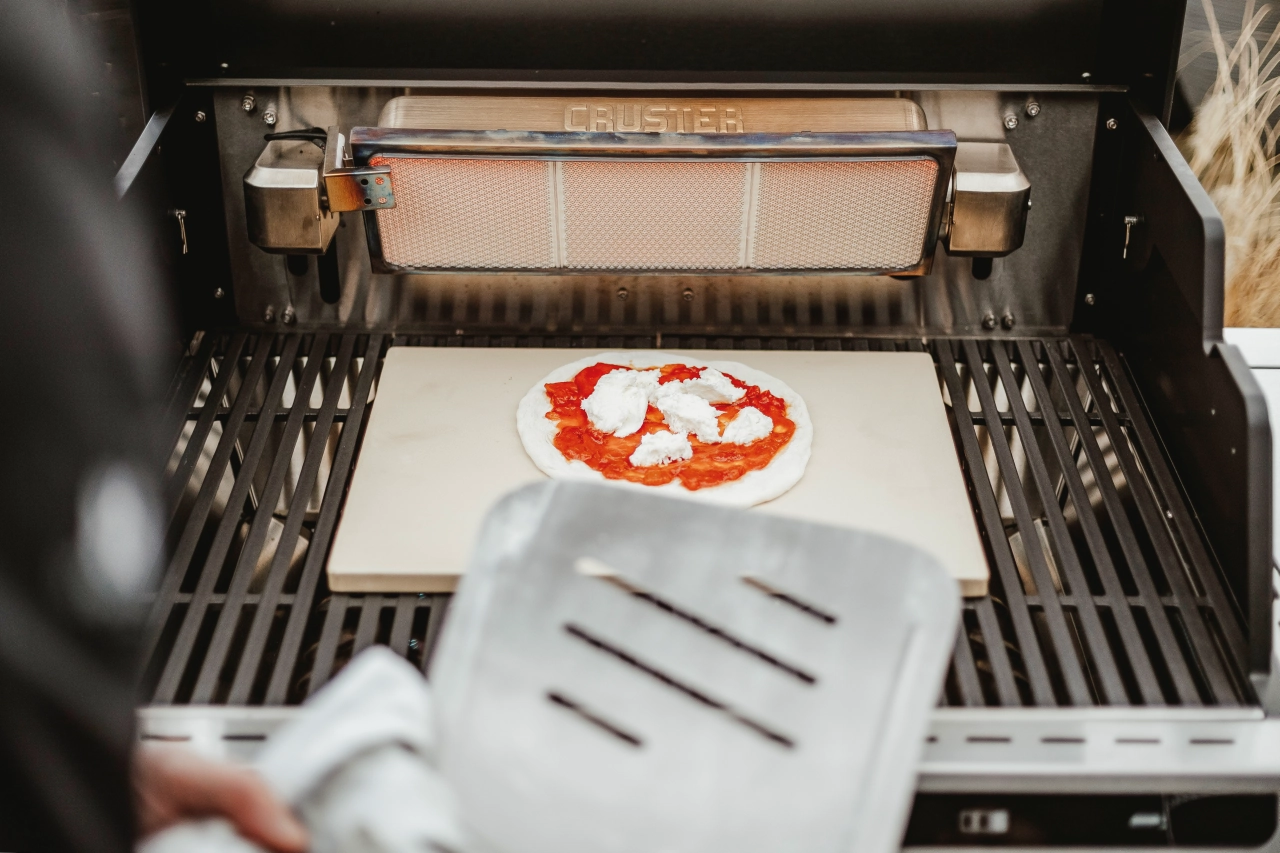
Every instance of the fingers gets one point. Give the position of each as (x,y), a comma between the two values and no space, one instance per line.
(175,784)
(243,798)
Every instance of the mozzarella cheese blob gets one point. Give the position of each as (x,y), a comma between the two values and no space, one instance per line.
(712,386)
(661,448)
(685,412)
(750,425)
(622,397)
(620,400)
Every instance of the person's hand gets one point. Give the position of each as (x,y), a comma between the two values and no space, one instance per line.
(172,784)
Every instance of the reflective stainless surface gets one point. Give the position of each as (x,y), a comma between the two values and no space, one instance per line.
(682,671)
(284,211)
(1001,751)
(732,115)
(991,201)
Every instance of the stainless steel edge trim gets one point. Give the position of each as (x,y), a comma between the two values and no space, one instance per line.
(141,150)
(1086,750)
(368,141)
(650,85)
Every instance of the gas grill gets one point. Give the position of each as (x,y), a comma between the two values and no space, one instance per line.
(878,177)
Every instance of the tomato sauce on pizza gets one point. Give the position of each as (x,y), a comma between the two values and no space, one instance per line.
(710,465)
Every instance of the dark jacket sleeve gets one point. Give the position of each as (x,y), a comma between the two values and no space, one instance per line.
(82,364)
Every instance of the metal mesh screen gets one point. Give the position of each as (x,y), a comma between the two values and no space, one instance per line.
(855,215)
(1102,591)
(469,214)
(454,214)
(647,216)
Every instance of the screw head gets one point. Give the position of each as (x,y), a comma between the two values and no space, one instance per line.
(1089,299)
(988,320)
(622,293)
(1007,320)
(1033,109)
(1112,124)
(1010,121)
(288,316)
(382,199)
(269,116)
(219,293)
(247,103)
(200,116)
(269,316)
(1085,75)
(688,294)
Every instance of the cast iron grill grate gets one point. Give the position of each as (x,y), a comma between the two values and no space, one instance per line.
(1102,591)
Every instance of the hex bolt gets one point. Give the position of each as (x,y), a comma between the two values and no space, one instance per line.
(1112,124)
(200,116)
(1010,122)
(1033,109)
(247,103)
(269,316)
(688,294)
(622,293)
(1007,320)
(269,116)
(1090,299)
(288,316)
(988,320)
(219,293)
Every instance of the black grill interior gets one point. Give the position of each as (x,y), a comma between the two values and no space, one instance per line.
(1102,593)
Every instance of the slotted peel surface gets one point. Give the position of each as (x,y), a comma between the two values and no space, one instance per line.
(622,672)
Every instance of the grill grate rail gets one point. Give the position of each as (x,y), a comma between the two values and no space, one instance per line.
(1102,591)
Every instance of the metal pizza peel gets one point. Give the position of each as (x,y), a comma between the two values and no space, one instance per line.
(623,672)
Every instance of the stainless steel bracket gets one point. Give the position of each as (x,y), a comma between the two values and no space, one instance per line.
(990,203)
(296,191)
(351,187)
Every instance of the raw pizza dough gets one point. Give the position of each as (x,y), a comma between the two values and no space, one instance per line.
(538,432)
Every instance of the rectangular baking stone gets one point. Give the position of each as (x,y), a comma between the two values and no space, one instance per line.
(441,447)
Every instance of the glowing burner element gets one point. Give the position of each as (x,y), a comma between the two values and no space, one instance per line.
(687,208)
